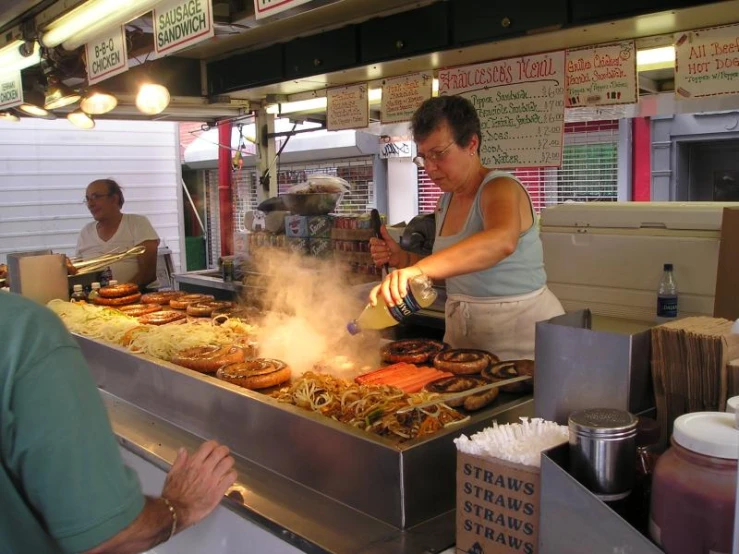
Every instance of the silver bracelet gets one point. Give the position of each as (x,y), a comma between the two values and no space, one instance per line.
(172,511)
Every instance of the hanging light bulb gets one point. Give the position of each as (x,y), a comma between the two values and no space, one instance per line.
(152,98)
(80,119)
(32,104)
(9,116)
(98,101)
(58,94)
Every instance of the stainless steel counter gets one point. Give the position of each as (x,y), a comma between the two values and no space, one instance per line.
(206,278)
(319,485)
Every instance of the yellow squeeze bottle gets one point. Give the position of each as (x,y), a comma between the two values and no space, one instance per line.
(421,294)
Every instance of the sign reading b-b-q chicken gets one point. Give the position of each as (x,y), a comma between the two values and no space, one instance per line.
(181,23)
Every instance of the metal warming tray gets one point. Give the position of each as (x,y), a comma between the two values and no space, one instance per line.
(400,484)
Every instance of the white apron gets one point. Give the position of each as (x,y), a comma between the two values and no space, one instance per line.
(505,326)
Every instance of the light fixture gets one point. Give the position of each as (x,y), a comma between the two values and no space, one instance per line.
(9,116)
(33,102)
(655,58)
(19,55)
(298,106)
(98,101)
(83,23)
(58,94)
(152,98)
(80,119)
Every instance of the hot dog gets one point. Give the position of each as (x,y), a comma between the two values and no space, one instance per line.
(117,291)
(118,300)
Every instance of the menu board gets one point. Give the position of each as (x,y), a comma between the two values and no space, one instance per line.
(179,24)
(348,107)
(707,62)
(401,96)
(521,103)
(106,55)
(602,75)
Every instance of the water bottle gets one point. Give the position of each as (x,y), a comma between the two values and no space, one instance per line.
(421,294)
(105,277)
(667,296)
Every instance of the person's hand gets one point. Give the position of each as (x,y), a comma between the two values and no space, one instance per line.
(387,251)
(395,286)
(197,482)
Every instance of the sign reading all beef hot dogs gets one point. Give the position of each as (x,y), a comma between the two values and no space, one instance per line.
(707,62)
(602,75)
(520,102)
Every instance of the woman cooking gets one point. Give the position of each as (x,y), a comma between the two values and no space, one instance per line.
(487,244)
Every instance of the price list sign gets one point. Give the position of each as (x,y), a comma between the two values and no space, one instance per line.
(520,102)
(347,108)
(602,75)
(707,62)
(402,96)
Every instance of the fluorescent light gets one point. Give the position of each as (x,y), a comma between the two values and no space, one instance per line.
(80,119)
(92,18)
(12,60)
(655,58)
(152,98)
(298,106)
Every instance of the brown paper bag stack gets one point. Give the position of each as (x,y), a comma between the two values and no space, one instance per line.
(694,368)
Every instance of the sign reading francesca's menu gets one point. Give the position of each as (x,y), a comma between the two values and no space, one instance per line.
(265,8)
(106,55)
(347,108)
(520,102)
(181,23)
(11,90)
(402,95)
(602,75)
(707,62)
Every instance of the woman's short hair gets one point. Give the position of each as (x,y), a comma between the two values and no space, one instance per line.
(456,111)
(113,188)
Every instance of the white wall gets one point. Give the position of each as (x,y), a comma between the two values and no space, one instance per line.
(402,190)
(46,165)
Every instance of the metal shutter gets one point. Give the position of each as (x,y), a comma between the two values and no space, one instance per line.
(589,170)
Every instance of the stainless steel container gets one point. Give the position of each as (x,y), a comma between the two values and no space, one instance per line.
(603,451)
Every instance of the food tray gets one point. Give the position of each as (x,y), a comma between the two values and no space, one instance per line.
(402,484)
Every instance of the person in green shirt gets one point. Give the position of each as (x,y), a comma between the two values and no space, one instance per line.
(63,484)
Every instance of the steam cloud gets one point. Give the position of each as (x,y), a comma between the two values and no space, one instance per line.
(308,302)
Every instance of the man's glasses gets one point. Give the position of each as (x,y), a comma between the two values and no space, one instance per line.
(93,197)
(433,157)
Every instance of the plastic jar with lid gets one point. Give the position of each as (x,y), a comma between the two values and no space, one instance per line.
(694,486)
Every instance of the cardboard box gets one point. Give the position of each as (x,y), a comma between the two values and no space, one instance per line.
(497,506)
(318,226)
(726,302)
(298,245)
(321,248)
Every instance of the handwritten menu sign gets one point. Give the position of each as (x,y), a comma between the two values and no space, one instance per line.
(601,75)
(348,107)
(402,95)
(521,103)
(707,62)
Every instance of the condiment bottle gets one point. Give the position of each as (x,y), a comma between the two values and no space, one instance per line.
(78,295)
(694,486)
(421,294)
(94,292)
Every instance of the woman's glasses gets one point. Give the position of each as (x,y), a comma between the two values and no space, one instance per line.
(433,156)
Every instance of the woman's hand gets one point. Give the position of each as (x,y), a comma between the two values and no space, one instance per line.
(387,251)
(395,286)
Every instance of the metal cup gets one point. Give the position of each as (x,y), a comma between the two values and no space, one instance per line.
(603,451)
